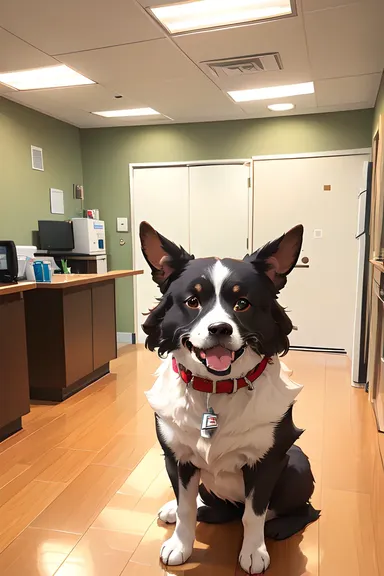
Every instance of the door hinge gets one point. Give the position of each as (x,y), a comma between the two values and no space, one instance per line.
(247,243)
(249,182)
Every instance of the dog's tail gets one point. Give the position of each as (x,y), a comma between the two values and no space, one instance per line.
(283,527)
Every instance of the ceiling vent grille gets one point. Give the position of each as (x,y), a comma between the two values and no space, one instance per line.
(37,158)
(239,66)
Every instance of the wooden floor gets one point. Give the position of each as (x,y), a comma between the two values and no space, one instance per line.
(81,484)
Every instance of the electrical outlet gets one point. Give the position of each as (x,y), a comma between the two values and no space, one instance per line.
(122,225)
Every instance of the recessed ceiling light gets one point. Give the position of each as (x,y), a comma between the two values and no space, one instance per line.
(205,14)
(48,77)
(272,92)
(281,107)
(127,113)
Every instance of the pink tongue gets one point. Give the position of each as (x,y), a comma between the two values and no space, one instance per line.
(218,358)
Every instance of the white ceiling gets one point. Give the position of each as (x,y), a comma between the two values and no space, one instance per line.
(338,44)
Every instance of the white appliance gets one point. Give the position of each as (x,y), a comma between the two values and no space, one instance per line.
(89,236)
(23,253)
(360,335)
(101,264)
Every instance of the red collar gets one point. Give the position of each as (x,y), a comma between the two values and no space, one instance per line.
(221,386)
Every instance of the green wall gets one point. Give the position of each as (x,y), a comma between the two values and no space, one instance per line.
(24,193)
(379,108)
(107,153)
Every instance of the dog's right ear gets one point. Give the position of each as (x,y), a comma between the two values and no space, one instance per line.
(165,259)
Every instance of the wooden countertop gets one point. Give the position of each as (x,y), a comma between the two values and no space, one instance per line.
(61,281)
(378,264)
(14,288)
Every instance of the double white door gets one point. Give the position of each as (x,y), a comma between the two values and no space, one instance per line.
(203,208)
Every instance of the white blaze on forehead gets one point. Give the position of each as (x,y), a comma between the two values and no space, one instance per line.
(200,333)
(219,273)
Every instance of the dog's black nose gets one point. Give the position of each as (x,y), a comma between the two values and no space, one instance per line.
(220,329)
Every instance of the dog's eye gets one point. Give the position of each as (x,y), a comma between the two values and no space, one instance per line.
(193,302)
(242,305)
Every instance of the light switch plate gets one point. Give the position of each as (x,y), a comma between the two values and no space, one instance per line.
(122,224)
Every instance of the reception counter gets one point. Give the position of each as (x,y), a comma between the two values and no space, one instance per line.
(14,390)
(71,332)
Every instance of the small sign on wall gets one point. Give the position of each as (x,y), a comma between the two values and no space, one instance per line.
(57,201)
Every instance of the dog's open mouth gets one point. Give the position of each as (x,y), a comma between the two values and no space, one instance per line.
(218,359)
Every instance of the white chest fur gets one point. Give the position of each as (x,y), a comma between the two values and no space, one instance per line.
(246,422)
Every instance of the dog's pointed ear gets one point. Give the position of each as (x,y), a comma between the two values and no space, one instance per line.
(278,258)
(165,259)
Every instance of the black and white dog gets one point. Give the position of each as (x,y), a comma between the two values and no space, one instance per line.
(223,403)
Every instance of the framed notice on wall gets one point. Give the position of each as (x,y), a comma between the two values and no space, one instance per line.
(57,201)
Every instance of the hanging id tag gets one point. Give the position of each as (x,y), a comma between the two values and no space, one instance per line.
(208,424)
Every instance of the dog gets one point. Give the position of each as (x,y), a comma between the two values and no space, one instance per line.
(223,404)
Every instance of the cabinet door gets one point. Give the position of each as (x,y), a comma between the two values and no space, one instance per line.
(77,309)
(14,386)
(219,210)
(161,197)
(104,323)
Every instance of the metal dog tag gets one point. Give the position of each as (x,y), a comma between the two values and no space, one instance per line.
(208,424)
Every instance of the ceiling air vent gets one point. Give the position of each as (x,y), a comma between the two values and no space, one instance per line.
(37,158)
(241,65)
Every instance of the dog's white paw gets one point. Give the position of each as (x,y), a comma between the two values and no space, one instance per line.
(167,513)
(175,552)
(254,561)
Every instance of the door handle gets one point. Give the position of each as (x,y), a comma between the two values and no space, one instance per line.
(304,263)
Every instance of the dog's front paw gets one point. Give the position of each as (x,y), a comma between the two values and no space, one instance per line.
(175,552)
(254,561)
(167,513)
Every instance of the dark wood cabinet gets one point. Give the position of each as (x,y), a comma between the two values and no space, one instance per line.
(14,389)
(104,323)
(71,334)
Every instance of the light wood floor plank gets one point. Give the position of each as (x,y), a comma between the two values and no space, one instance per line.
(81,485)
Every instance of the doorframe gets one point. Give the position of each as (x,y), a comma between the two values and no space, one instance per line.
(323,154)
(132,166)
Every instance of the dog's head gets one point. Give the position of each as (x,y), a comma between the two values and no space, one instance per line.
(219,316)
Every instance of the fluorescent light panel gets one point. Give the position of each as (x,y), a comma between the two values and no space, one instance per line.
(281,107)
(48,77)
(203,14)
(272,92)
(127,113)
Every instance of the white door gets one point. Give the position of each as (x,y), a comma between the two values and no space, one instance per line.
(219,210)
(321,194)
(203,208)
(161,197)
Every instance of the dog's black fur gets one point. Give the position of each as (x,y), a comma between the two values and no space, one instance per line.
(282,480)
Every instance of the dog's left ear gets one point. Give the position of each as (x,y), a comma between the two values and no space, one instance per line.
(165,259)
(278,258)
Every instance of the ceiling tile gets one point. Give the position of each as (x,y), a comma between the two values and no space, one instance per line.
(354,89)
(53,105)
(90,98)
(73,25)
(302,103)
(18,55)
(155,73)
(151,3)
(312,5)
(285,36)
(346,41)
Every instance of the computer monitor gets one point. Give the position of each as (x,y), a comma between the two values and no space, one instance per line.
(56,235)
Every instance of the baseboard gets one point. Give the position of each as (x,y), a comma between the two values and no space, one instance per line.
(126,338)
